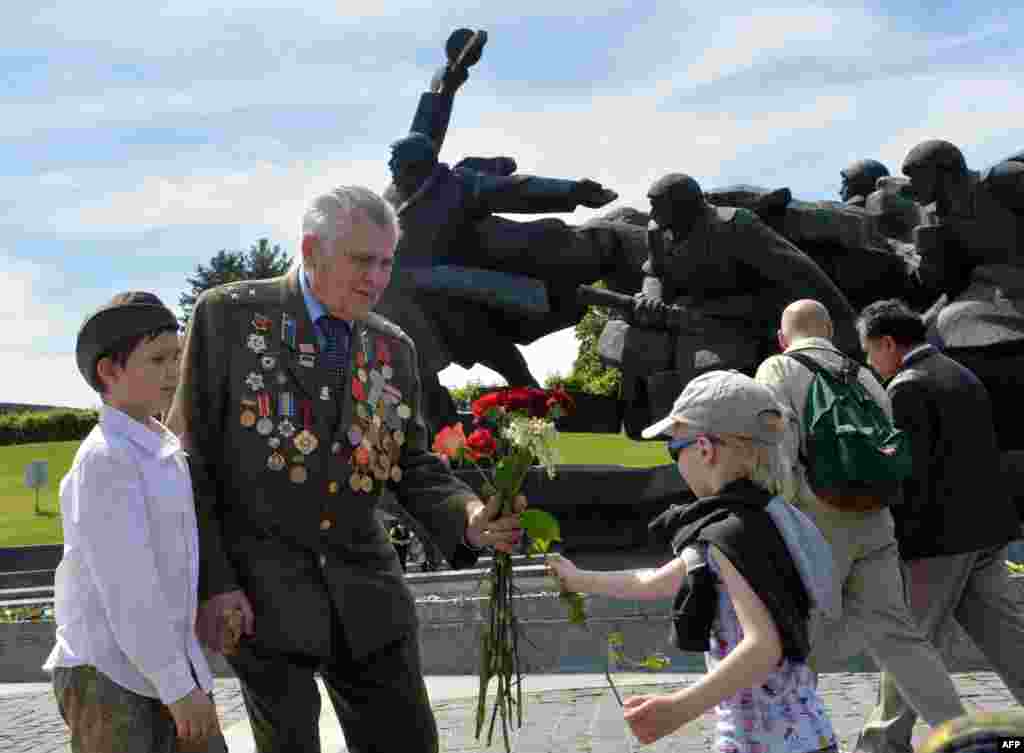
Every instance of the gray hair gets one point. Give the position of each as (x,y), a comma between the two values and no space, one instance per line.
(331,215)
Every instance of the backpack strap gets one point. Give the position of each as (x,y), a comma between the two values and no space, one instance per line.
(849,372)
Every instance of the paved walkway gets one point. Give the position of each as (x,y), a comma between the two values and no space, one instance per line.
(563,713)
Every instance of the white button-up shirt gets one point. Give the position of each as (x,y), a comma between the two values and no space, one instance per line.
(126,589)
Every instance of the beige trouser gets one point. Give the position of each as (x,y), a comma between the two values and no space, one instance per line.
(875,612)
(974,590)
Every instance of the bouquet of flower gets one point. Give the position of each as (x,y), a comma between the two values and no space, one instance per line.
(514,429)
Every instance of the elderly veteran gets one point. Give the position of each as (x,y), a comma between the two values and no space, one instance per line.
(299,406)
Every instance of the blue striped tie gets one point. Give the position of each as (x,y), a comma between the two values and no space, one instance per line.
(335,355)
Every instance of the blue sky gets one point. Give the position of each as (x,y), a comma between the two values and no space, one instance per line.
(137,140)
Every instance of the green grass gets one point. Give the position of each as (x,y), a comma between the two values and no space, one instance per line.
(610,449)
(21,526)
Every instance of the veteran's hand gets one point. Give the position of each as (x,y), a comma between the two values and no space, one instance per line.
(223,619)
(485,528)
(651,717)
(565,570)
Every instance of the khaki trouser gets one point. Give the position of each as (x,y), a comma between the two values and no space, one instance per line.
(875,613)
(103,717)
(974,590)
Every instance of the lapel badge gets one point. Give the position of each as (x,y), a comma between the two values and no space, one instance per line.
(306,348)
(252,291)
(325,393)
(286,428)
(261,322)
(276,462)
(257,343)
(268,362)
(255,381)
(306,442)
(307,360)
(274,442)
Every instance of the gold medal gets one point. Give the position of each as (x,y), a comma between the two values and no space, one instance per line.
(367,484)
(396,473)
(264,426)
(404,411)
(355,481)
(380,474)
(248,418)
(306,442)
(298,474)
(399,437)
(276,462)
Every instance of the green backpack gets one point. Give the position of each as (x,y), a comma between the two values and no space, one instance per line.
(855,458)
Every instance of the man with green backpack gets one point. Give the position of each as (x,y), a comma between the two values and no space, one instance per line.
(844,465)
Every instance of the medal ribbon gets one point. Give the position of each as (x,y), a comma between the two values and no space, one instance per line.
(286,404)
(307,414)
(264,404)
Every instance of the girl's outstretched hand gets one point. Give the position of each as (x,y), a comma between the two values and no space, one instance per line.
(563,568)
(651,717)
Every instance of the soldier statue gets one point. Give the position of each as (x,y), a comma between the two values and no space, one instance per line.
(469,285)
(717,280)
(859,180)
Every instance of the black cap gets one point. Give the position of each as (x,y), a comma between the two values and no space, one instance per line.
(127,315)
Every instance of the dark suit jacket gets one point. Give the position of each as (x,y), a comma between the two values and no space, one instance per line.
(955,501)
(304,552)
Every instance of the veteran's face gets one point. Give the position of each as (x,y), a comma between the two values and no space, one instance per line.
(351,280)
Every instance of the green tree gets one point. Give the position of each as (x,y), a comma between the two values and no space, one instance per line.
(588,373)
(258,263)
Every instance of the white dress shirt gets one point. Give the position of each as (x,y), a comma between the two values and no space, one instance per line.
(126,589)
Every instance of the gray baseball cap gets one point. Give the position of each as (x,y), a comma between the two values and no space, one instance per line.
(724,402)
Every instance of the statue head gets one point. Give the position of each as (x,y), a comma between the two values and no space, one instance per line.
(413,159)
(860,177)
(676,203)
(936,169)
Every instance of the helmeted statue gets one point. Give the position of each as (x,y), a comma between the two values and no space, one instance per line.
(972,253)
(470,285)
(727,277)
(859,180)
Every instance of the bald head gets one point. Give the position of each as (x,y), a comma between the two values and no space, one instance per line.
(805,318)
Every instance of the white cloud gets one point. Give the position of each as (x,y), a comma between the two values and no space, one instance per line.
(25,316)
(44,379)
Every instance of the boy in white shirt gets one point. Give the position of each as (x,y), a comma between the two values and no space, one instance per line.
(128,672)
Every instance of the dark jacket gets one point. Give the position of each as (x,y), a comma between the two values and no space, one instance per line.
(303,545)
(956,501)
(736,522)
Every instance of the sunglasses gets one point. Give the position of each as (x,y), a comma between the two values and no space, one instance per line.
(676,446)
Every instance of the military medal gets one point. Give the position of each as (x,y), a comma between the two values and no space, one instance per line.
(265,425)
(248,418)
(307,360)
(268,362)
(387,371)
(274,442)
(332,487)
(325,393)
(377,382)
(276,462)
(298,474)
(261,323)
(306,348)
(255,381)
(360,359)
(257,343)
(305,441)
(362,411)
(361,373)
(396,473)
(367,484)
(355,436)
(357,390)
(355,482)
(404,411)
(288,330)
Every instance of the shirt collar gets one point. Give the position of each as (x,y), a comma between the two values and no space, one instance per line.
(313,306)
(160,444)
(812,342)
(916,354)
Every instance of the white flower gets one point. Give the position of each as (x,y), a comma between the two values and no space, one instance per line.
(536,436)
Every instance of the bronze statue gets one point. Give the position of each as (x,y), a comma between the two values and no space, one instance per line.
(728,276)
(859,180)
(469,285)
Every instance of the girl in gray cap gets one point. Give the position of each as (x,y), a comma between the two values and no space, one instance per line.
(748,572)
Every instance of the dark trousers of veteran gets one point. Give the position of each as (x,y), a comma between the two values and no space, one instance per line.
(298,406)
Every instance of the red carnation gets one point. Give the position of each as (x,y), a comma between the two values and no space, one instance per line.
(559,403)
(483,405)
(481,444)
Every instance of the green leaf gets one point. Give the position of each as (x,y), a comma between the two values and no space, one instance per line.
(656,662)
(509,475)
(616,639)
(540,526)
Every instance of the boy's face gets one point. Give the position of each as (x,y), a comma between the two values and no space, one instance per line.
(145,385)
(693,464)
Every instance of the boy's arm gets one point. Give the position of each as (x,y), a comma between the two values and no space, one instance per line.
(115,530)
(197,416)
